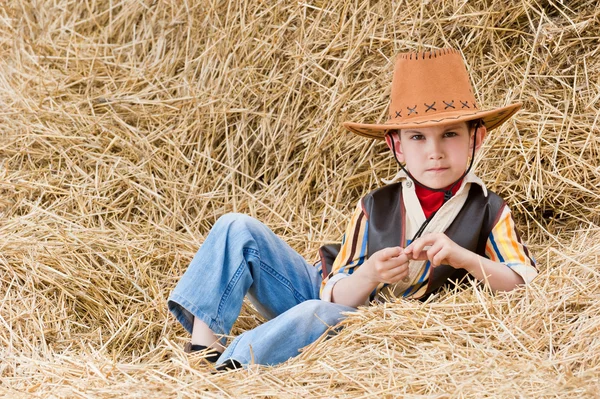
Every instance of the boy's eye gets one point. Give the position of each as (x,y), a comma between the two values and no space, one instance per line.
(450,134)
(417,137)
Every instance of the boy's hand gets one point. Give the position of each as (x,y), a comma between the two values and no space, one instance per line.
(388,265)
(442,251)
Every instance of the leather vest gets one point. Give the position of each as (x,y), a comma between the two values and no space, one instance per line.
(385,212)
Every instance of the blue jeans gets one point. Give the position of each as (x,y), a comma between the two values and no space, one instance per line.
(242,256)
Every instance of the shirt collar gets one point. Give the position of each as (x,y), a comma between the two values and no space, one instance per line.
(471,177)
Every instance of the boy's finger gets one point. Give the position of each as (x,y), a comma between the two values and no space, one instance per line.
(422,256)
(394,268)
(416,248)
(432,253)
(390,252)
(419,245)
(440,257)
(396,263)
(400,259)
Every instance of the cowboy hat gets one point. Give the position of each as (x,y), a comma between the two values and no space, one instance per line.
(430,89)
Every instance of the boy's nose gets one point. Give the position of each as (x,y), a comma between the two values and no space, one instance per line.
(435,150)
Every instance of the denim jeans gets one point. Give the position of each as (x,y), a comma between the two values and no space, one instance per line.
(242,256)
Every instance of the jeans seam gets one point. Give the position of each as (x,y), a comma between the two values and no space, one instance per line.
(252,251)
(278,276)
(230,286)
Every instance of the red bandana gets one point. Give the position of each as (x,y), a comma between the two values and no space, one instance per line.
(431,201)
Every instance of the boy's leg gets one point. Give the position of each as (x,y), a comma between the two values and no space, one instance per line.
(241,255)
(279,339)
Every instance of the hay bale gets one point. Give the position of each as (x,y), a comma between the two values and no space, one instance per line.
(128,128)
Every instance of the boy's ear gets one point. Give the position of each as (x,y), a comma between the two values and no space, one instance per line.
(481,132)
(392,139)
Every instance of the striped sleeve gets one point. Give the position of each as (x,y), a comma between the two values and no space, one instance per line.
(353,252)
(504,246)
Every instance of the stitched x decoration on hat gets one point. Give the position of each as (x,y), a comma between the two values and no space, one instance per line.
(432,89)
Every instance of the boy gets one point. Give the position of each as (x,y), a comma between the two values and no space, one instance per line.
(409,239)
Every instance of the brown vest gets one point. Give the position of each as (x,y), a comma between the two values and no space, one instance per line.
(384,209)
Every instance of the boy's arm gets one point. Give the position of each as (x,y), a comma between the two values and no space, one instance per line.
(496,275)
(353,278)
(504,246)
(352,253)
(388,265)
(506,264)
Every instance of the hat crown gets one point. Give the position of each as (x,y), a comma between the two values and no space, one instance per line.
(432,88)
(433,83)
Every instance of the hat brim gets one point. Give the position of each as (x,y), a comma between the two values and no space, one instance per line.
(491,119)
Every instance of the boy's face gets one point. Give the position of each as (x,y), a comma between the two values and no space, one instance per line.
(436,156)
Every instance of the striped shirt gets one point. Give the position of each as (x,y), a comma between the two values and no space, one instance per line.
(503,245)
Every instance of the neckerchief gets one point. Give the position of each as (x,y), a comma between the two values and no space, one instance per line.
(430,200)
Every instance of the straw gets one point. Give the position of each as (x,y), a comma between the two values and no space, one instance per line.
(127,128)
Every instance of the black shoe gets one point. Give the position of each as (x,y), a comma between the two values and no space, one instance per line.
(229,364)
(209,353)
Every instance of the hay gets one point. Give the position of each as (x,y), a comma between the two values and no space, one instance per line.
(128,127)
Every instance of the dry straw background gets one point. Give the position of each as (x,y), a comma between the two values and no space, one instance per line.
(128,127)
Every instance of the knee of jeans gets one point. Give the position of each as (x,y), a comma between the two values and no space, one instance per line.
(239,219)
(324,311)
(310,306)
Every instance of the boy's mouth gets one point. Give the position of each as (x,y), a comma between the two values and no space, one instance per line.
(437,170)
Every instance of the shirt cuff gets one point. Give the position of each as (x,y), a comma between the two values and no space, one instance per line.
(328,289)
(527,273)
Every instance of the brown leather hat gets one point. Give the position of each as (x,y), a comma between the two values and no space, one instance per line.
(432,89)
